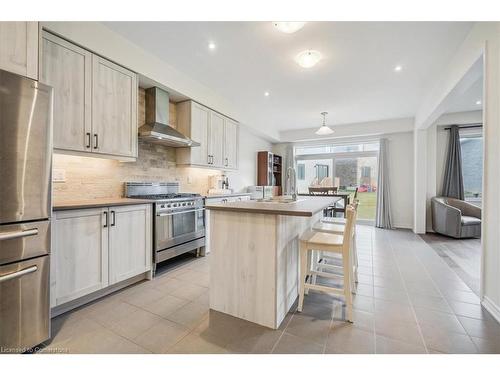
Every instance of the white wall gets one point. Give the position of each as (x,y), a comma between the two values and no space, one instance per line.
(483,38)
(400,162)
(249,145)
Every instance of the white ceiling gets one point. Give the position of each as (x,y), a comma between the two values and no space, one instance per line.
(355,81)
(467,100)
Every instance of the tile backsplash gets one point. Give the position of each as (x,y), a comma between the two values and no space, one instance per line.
(89,177)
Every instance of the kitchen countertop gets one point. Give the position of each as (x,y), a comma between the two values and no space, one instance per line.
(98,202)
(304,206)
(227,195)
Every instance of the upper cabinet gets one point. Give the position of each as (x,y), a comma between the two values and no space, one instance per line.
(68,69)
(95,100)
(216,139)
(19,48)
(231,135)
(114,108)
(217,135)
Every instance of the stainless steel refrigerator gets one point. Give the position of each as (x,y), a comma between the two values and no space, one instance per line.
(25,207)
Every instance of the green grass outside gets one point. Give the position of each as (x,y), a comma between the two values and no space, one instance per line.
(367,205)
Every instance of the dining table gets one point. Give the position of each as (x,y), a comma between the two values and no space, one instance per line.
(346,197)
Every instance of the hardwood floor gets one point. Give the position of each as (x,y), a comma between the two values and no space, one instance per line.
(408,300)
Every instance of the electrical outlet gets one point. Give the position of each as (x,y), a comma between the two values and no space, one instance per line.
(59,175)
(189,179)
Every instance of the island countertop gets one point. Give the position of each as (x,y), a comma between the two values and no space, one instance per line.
(304,206)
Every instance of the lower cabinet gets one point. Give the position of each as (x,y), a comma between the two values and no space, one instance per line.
(96,248)
(130,238)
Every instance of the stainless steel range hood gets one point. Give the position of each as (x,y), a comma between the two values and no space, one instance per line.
(157,130)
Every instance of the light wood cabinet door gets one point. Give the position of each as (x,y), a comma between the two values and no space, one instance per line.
(200,123)
(79,254)
(130,239)
(114,109)
(216,140)
(230,144)
(68,68)
(19,48)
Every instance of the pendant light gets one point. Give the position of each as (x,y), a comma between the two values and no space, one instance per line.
(324,129)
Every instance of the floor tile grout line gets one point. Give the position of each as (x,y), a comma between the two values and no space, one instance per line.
(408,296)
(442,295)
(282,333)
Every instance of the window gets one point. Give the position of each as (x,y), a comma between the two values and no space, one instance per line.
(348,166)
(471,147)
(301,171)
(321,171)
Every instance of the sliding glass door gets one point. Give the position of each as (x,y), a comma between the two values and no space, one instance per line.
(349,167)
(359,172)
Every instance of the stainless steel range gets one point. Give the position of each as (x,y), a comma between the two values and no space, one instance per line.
(179,218)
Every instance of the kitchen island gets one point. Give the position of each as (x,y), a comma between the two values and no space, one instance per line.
(254,256)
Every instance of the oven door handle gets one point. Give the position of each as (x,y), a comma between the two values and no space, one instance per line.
(180,212)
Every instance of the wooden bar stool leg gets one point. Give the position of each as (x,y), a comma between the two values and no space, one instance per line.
(355,258)
(310,268)
(347,284)
(315,264)
(303,274)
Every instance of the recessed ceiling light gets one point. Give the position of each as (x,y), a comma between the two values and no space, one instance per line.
(266,93)
(479,102)
(289,27)
(398,68)
(307,59)
(211,45)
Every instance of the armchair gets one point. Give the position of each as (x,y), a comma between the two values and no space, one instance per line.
(455,218)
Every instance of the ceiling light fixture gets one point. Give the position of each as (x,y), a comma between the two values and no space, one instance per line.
(324,129)
(307,59)
(266,93)
(479,102)
(211,45)
(398,68)
(289,27)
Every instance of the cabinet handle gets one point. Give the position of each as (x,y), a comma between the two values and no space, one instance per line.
(105,219)
(96,141)
(208,157)
(226,162)
(113,217)
(88,140)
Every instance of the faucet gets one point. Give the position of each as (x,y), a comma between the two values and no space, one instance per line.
(292,192)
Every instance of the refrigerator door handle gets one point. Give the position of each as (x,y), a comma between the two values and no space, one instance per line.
(18,234)
(15,275)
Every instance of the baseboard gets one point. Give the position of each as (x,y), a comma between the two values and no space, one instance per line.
(402,226)
(492,308)
(71,305)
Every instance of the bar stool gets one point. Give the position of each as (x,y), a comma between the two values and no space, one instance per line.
(312,241)
(319,261)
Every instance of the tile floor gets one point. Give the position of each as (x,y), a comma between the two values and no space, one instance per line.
(463,256)
(408,301)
